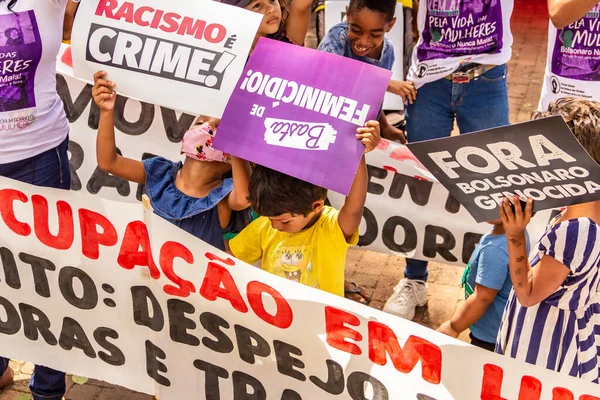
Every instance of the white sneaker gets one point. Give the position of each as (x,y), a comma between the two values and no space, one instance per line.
(408,294)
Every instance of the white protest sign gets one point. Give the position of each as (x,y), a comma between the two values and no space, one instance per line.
(408,213)
(105,290)
(180,54)
(335,12)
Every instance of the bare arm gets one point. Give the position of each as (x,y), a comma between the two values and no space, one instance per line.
(471,311)
(106,149)
(352,210)
(238,198)
(69,18)
(531,286)
(565,12)
(298,20)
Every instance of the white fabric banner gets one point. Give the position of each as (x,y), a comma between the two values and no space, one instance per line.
(180,54)
(106,290)
(408,213)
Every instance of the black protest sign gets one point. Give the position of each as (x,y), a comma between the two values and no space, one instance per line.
(539,159)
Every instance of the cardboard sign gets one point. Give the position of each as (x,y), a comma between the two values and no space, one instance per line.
(180,54)
(296,110)
(335,12)
(539,159)
(105,290)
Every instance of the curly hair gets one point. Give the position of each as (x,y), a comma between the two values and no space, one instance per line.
(582,117)
(285,13)
(273,193)
(385,7)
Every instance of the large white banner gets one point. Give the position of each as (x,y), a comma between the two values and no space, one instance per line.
(335,12)
(408,213)
(107,290)
(181,54)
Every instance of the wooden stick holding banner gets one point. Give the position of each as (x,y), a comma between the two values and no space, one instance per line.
(192,52)
(94,287)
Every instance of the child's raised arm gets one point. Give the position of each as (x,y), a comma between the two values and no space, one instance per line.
(298,20)
(106,149)
(531,285)
(238,199)
(351,212)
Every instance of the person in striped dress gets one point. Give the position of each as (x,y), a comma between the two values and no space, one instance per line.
(552,318)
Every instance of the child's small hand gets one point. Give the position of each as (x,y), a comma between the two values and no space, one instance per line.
(515,222)
(446,329)
(103,93)
(404,89)
(369,135)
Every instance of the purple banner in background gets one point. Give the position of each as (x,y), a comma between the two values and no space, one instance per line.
(455,28)
(576,52)
(20,53)
(296,110)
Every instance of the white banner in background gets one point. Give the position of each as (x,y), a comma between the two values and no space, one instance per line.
(181,54)
(407,212)
(105,290)
(335,12)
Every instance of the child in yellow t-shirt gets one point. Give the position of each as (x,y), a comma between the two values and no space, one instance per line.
(297,236)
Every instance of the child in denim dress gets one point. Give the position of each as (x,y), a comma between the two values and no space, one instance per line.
(195,195)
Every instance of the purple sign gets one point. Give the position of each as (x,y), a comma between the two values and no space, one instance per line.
(576,52)
(20,52)
(456,28)
(296,110)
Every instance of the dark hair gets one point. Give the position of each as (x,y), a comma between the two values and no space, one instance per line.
(273,193)
(583,118)
(386,7)
(11,3)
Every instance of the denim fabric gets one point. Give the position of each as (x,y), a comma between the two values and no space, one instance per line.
(49,169)
(477,105)
(336,42)
(198,216)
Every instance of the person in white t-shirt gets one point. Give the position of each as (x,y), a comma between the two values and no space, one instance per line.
(573,62)
(459,70)
(33,126)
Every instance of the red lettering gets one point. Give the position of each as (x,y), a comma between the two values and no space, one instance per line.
(283,316)
(218,282)
(588,397)
(125,12)
(130,255)
(170,22)
(491,384)
(168,252)
(157,18)
(562,394)
(382,341)
(91,239)
(139,13)
(215,33)
(63,240)
(106,8)
(7,197)
(213,257)
(531,388)
(337,331)
(190,26)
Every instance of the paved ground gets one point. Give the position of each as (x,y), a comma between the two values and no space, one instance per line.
(380,271)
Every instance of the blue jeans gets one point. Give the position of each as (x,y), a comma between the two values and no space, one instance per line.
(477,105)
(49,169)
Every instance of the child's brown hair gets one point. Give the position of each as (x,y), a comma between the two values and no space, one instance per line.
(583,118)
